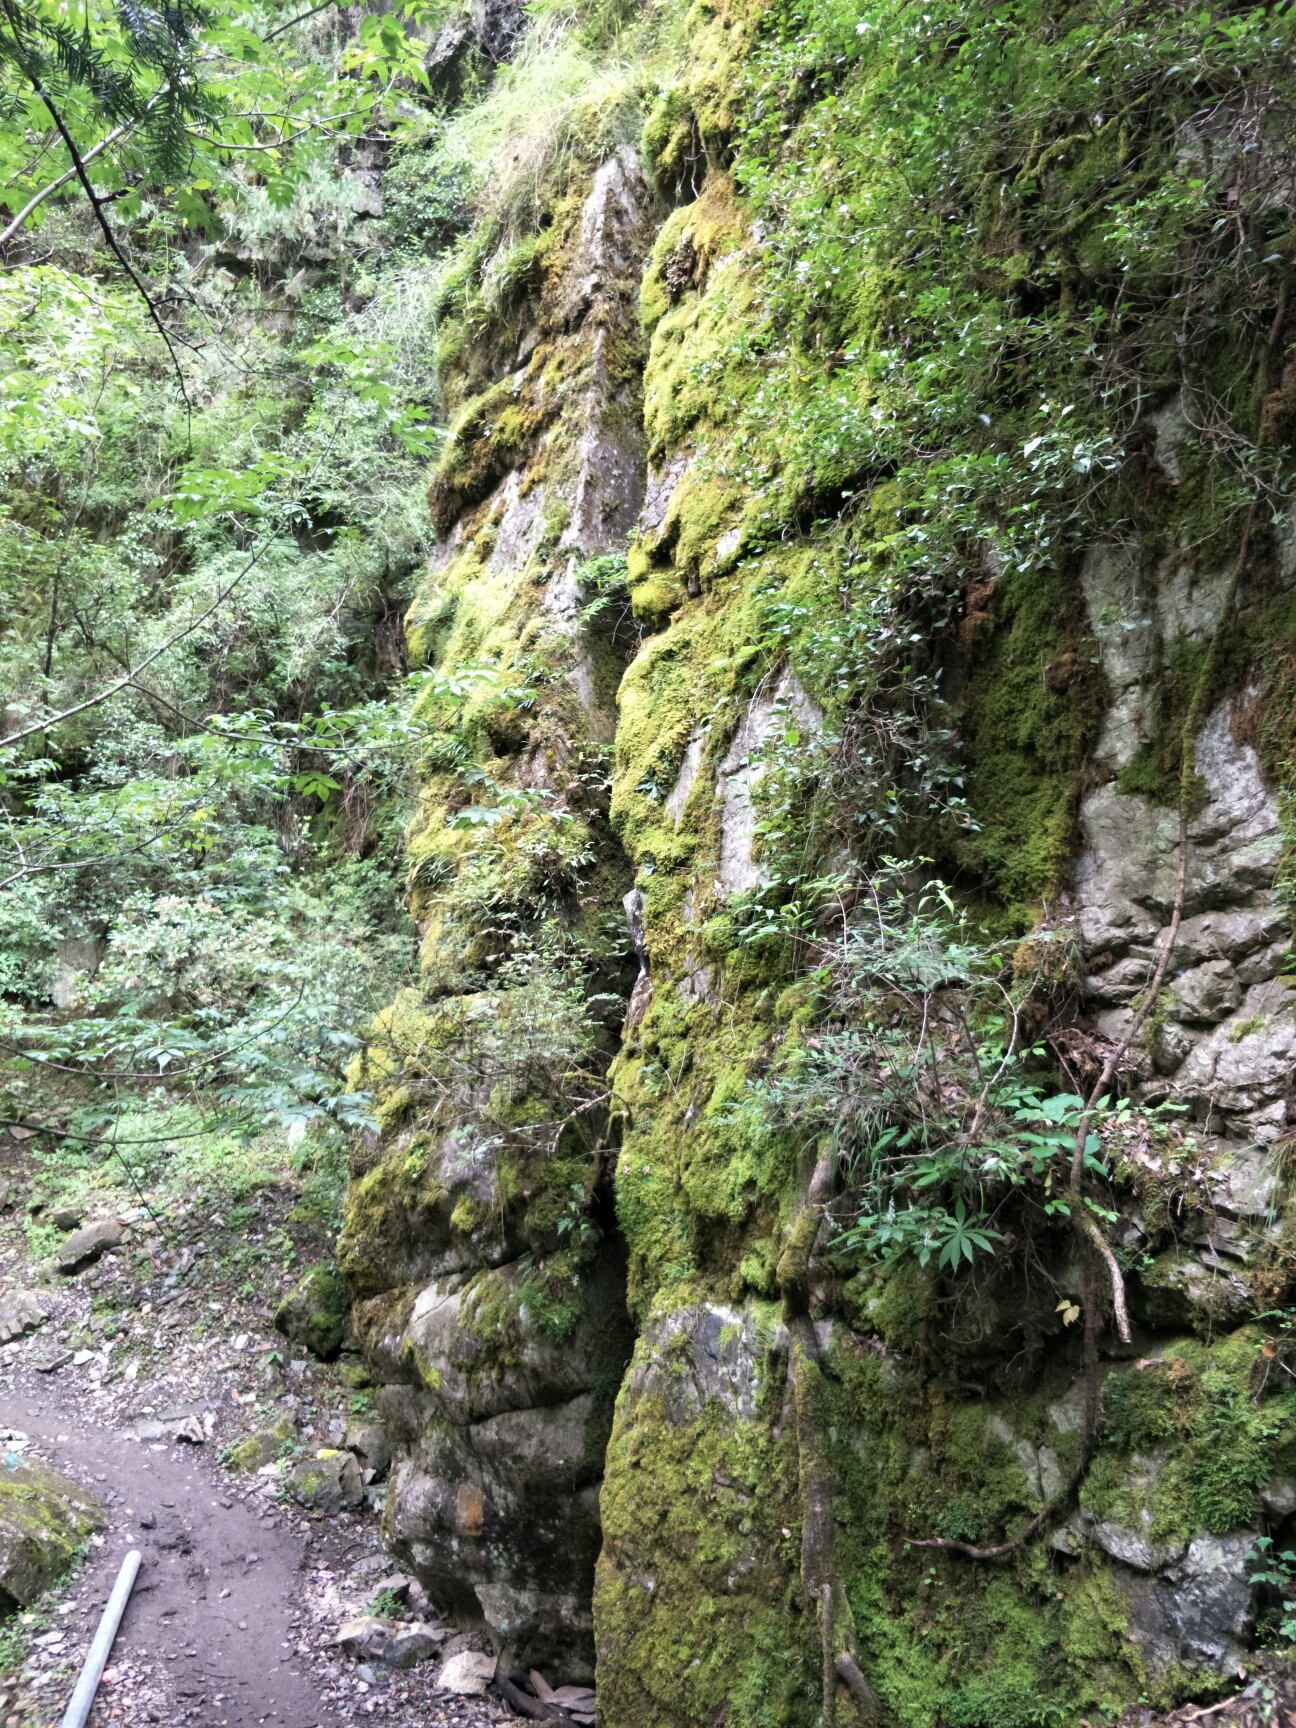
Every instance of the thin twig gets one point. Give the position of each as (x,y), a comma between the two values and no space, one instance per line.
(96,204)
(978,1115)
(1040,1521)
(299,19)
(130,677)
(1210,1709)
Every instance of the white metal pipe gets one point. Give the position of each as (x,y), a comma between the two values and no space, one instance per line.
(97,1656)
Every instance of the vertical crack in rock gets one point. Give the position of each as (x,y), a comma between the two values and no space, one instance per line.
(480,1239)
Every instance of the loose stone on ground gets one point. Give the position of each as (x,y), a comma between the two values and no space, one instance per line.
(86,1246)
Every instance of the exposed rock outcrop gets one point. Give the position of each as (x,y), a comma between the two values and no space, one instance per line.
(862,1431)
(44,1518)
(492,1305)
(1226,1037)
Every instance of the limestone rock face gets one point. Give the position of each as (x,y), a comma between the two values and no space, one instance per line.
(1226,1042)
(1132,617)
(696,1357)
(498,1432)
(561,1148)
(741,770)
(702,1458)
(478,1242)
(609,481)
(1223,1039)
(1198,1610)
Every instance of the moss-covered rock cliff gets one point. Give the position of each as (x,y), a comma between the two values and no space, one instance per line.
(827,1251)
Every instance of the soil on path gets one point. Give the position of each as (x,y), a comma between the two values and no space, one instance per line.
(212,1609)
(242,1592)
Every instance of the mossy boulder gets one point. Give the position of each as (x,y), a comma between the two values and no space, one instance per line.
(695,1612)
(331,1482)
(257,1450)
(1144,1588)
(498,1437)
(315,1313)
(44,1519)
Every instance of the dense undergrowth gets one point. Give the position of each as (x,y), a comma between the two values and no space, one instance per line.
(212,471)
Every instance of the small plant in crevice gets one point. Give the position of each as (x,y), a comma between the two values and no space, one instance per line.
(1274,1570)
(927,1077)
(387,1605)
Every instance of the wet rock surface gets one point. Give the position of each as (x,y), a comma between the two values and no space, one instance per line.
(1200,1608)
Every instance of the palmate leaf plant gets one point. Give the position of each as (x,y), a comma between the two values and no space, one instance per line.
(941,1117)
(925,1231)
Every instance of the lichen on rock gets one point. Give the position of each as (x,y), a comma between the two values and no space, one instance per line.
(909,616)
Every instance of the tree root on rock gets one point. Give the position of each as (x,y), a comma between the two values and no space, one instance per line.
(819,1576)
(534,1709)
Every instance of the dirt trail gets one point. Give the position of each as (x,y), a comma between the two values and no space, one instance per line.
(171,1334)
(212,1607)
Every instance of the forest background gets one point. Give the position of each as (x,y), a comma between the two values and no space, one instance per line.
(217,407)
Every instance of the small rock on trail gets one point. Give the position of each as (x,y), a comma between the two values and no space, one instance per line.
(86,1246)
(329,1483)
(22,1311)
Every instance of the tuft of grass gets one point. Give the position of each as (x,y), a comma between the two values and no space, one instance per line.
(555,109)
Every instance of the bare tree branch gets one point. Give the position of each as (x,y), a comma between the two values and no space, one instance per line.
(88,156)
(299,19)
